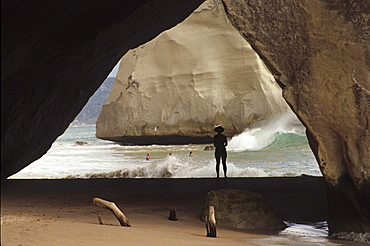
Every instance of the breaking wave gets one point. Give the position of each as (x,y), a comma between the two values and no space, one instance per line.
(353,236)
(177,167)
(282,131)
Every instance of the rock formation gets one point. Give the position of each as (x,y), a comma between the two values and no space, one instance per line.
(241,209)
(199,74)
(319,52)
(56,54)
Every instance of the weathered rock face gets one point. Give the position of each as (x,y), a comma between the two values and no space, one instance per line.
(54,55)
(319,51)
(241,209)
(199,74)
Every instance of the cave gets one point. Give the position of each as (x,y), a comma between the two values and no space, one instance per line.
(56,54)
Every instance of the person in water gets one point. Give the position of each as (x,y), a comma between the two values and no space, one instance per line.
(191,154)
(220,142)
(147,157)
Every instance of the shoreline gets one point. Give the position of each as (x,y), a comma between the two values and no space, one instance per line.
(61,211)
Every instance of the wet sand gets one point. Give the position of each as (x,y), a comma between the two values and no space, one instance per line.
(61,212)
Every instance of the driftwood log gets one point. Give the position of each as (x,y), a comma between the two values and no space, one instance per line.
(211,222)
(100,220)
(111,206)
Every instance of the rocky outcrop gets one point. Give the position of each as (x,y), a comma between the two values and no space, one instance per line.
(190,78)
(241,209)
(319,52)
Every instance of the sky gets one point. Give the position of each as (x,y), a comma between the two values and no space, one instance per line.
(114,71)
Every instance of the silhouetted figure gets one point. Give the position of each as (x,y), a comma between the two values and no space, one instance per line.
(220,142)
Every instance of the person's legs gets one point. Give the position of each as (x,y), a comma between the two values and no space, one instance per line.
(218,157)
(224,156)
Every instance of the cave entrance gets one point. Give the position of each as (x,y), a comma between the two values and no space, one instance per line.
(222,73)
(25,157)
(218,69)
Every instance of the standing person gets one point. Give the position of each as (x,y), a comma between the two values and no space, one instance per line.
(220,142)
(147,157)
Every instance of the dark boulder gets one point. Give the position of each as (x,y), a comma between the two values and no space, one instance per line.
(80,143)
(208,148)
(241,209)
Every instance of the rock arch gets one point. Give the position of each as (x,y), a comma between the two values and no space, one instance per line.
(56,54)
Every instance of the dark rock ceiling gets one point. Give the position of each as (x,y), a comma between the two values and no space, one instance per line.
(55,54)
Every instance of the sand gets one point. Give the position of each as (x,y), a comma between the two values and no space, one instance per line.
(61,212)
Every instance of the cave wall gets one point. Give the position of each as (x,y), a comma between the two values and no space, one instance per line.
(319,52)
(54,56)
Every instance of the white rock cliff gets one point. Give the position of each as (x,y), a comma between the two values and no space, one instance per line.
(199,74)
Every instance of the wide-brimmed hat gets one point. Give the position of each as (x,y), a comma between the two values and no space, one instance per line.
(219,129)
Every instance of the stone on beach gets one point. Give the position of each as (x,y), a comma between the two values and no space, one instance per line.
(241,209)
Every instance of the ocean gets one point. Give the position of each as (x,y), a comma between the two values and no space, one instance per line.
(275,149)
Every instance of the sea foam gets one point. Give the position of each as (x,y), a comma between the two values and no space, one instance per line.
(261,137)
(353,236)
(177,167)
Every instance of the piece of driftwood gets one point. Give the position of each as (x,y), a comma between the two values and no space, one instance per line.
(211,222)
(172,215)
(99,219)
(111,206)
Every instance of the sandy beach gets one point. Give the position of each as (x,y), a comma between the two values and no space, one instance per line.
(61,212)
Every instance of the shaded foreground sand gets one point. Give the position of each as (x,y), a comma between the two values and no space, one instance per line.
(61,212)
